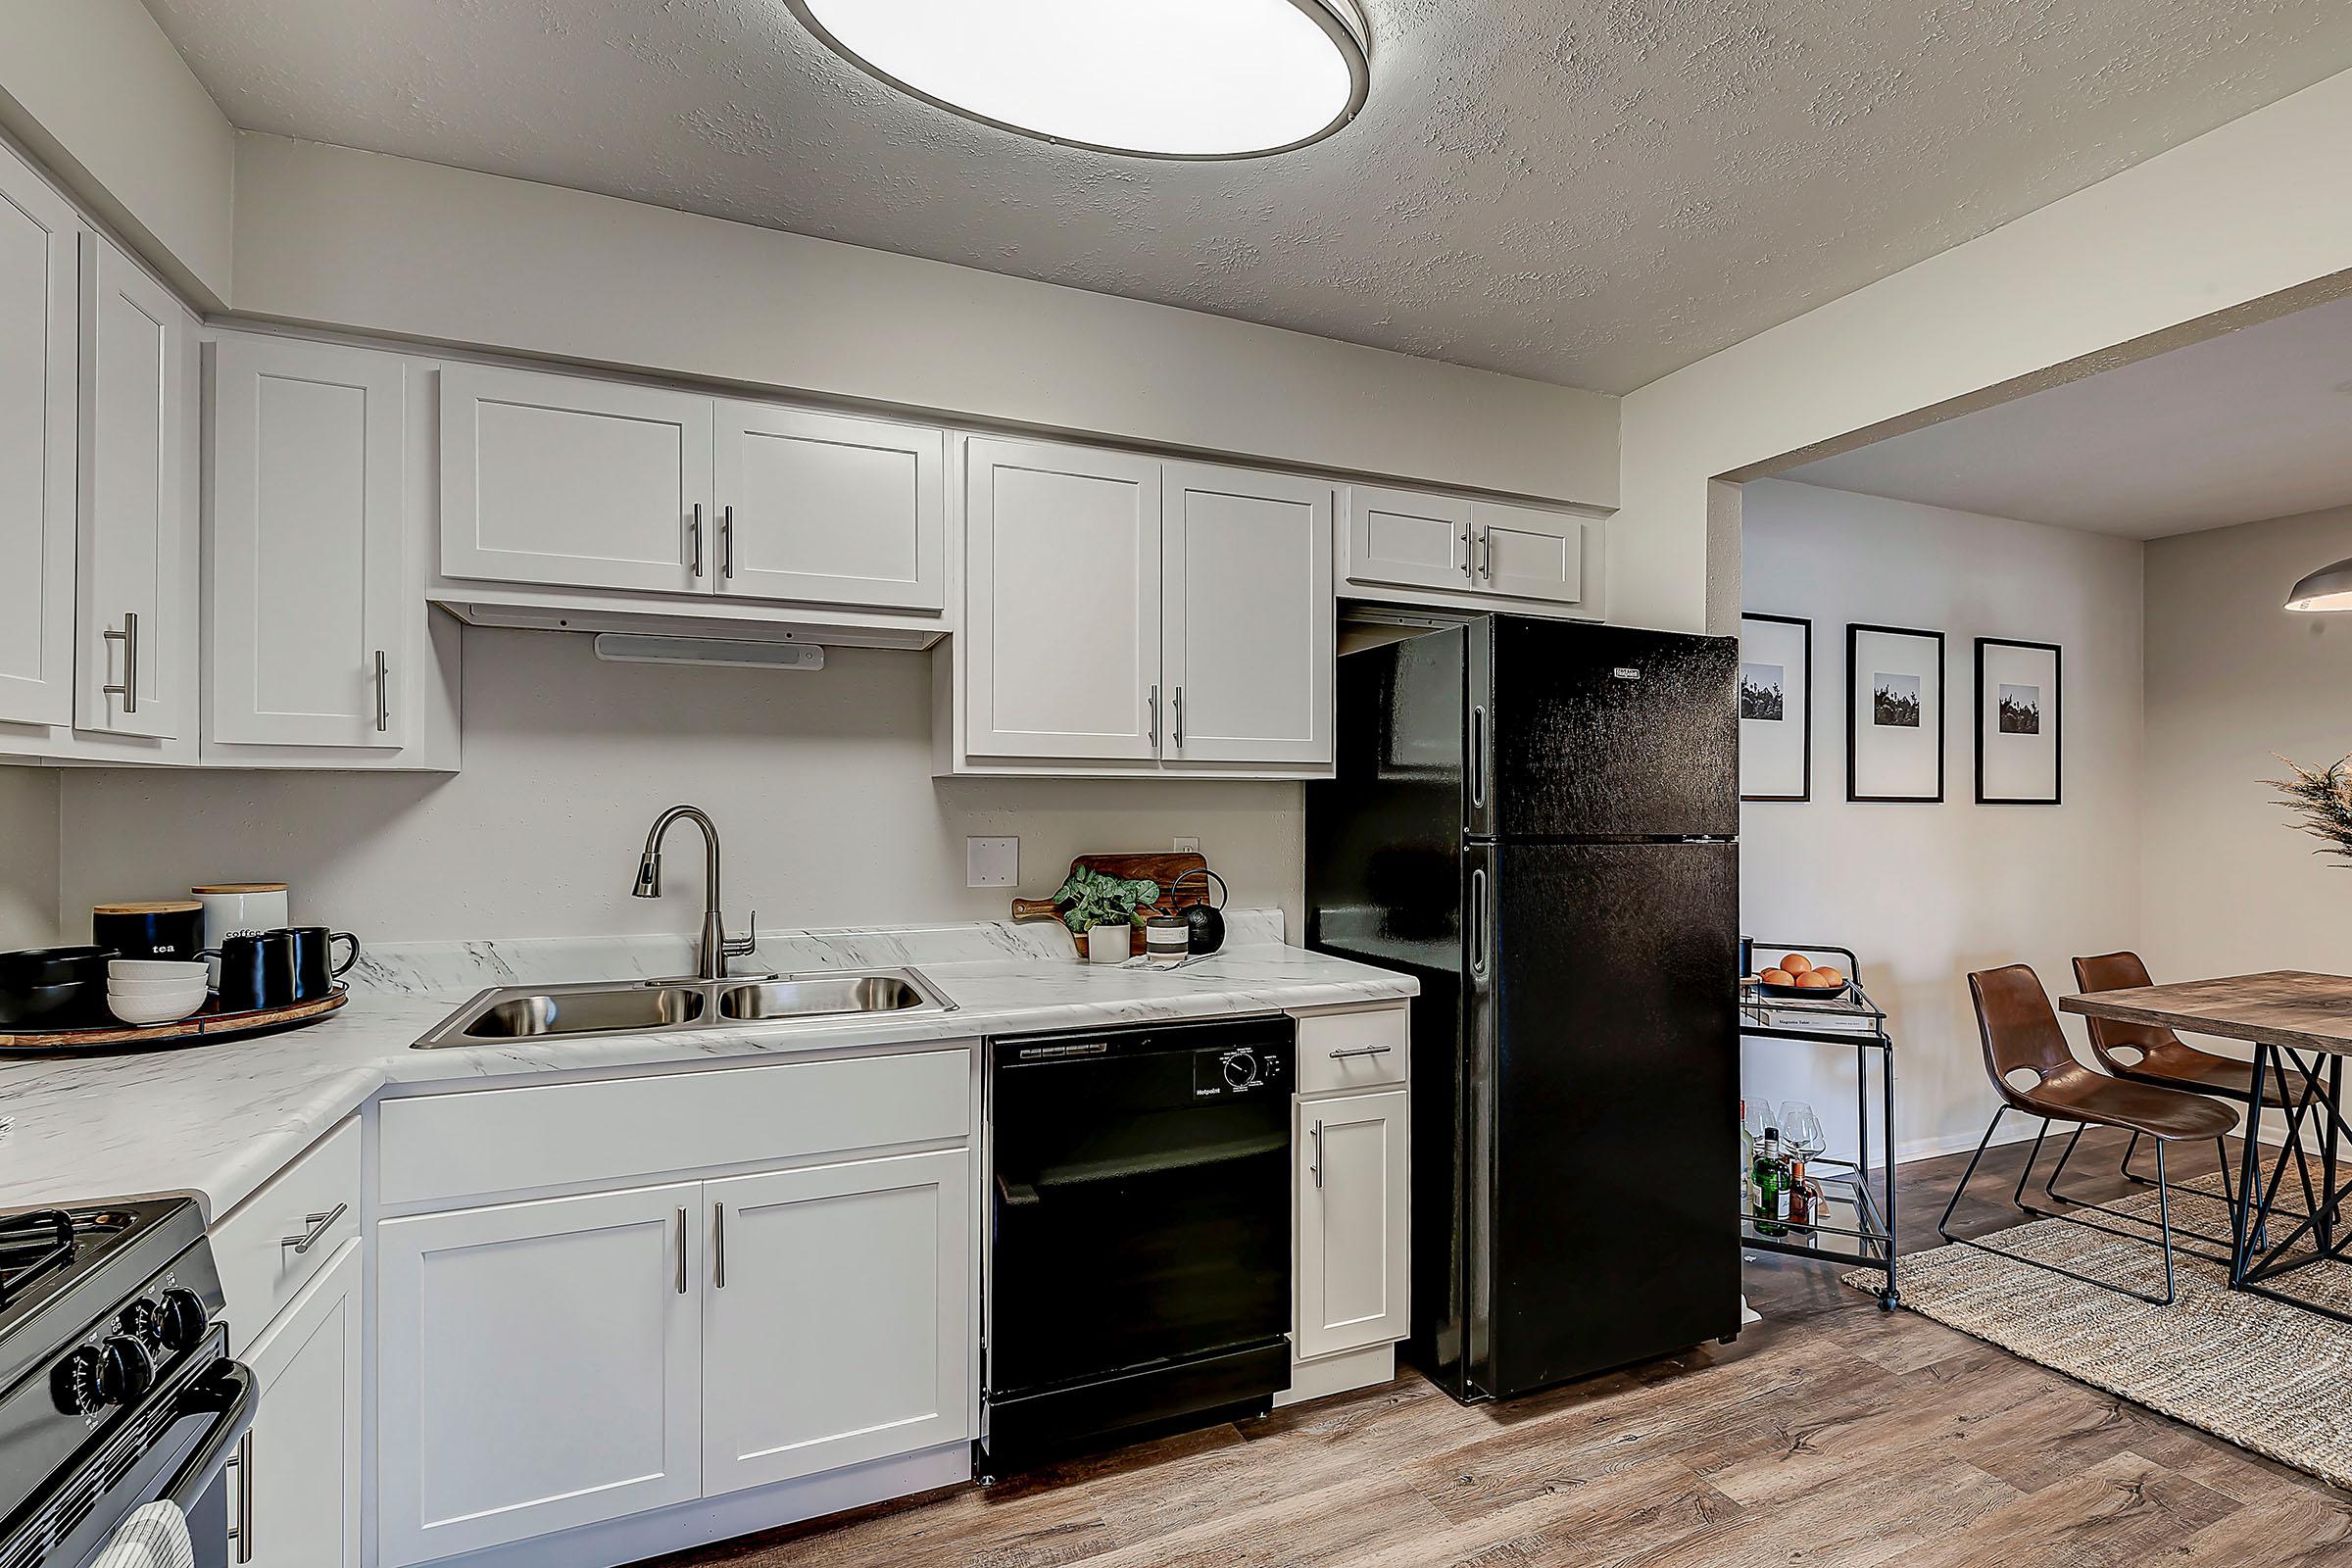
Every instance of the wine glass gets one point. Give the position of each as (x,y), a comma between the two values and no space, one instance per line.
(1801,1130)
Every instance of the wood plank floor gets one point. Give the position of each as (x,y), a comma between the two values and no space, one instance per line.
(1830,1435)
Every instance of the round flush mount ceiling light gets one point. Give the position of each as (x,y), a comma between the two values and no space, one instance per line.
(1147,79)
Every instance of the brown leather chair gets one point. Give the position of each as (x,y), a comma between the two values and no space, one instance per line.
(2022,1042)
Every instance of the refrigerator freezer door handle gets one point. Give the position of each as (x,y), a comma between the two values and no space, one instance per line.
(1478,922)
(1478,757)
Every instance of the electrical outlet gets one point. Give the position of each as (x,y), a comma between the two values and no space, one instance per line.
(1188,846)
(992,862)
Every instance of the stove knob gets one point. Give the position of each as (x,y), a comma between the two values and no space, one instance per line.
(180,1321)
(1241,1068)
(74,1383)
(125,1369)
(139,1322)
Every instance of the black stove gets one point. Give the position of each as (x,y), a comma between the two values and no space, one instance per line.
(116,1386)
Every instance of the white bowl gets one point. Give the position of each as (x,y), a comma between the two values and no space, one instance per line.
(152,1009)
(147,972)
(155,988)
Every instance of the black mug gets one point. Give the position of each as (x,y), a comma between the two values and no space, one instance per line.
(257,970)
(314,968)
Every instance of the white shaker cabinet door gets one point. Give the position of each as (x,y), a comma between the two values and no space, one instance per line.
(1408,540)
(294,1484)
(134,340)
(1527,553)
(1247,636)
(306,612)
(538,1367)
(829,509)
(1063,578)
(38,283)
(837,1325)
(566,480)
(1352,1219)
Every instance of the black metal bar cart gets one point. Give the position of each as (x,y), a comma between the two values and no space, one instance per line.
(1857,1224)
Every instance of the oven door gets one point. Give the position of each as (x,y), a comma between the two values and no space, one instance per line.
(172,1449)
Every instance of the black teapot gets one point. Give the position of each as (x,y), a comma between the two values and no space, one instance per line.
(1207,923)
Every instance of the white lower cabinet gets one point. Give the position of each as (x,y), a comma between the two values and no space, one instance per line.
(1354,1203)
(538,1367)
(838,1323)
(294,1483)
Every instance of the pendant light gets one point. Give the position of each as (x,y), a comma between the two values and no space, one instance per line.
(1144,79)
(2329,588)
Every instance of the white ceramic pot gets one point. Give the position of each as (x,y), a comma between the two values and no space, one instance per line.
(1110,944)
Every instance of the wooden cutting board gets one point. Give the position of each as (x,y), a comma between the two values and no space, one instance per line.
(1162,867)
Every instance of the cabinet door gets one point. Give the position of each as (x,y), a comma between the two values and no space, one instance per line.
(839,1323)
(561,479)
(1352,1218)
(1061,629)
(38,273)
(305,613)
(1527,553)
(1408,539)
(294,1485)
(538,1366)
(134,342)
(826,508)
(1247,648)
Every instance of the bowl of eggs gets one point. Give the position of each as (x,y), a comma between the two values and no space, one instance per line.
(1800,979)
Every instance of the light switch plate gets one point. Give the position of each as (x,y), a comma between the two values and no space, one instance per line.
(992,862)
(1187,846)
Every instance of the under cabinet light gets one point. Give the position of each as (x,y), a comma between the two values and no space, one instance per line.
(637,648)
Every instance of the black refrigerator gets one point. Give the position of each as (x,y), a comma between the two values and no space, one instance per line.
(1537,820)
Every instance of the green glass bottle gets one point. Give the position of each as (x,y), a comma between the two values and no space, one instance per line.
(1772,1186)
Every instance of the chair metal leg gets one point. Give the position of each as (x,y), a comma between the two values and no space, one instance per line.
(2125,1166)
(1943,1226)
(2018,1197)
(2164,1213)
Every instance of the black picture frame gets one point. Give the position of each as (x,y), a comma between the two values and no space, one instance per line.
(1804,793)
(2057,706)
(1853,637)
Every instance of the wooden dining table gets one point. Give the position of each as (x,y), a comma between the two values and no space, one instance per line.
(2300,1026)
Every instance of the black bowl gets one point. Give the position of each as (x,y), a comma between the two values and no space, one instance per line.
(75,1005)
(29,968)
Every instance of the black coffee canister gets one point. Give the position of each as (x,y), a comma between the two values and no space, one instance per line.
(159,928)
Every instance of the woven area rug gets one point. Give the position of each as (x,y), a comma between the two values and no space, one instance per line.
(2261,1374)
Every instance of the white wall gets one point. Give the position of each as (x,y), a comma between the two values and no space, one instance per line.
(97,92)
(1925,893)
(331,237)
(2247,212)
(29,856)
(2233,682)
(821,784)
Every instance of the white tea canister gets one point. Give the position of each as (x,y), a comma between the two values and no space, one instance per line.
(1110,944)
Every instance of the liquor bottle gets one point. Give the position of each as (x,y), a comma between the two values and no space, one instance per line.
(1747,1162)
(1801,1192)
(1772,1186)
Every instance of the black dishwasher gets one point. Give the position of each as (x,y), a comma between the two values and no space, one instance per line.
(1140,1232)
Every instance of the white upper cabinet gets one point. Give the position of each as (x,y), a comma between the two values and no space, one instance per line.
(1414,548)
(1062,612)
(39,274)
(307,615)
(1247,638)
(561,479)
(829,509)
(837,1328)
(134,340)
(1415,541)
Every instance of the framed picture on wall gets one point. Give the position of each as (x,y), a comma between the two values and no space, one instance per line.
(2019,718)
(1776,708)
(1893,714)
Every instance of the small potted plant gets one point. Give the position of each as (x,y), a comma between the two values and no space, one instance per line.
(1088,901)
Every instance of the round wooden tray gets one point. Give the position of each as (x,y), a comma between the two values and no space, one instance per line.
(205,1028)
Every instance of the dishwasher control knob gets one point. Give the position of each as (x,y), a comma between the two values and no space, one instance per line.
(1241,1068)
(125,1369)
(180,1321)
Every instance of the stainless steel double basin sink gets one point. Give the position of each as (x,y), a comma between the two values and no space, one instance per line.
(604,1008)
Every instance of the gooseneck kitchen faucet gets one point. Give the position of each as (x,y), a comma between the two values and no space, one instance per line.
(715,949)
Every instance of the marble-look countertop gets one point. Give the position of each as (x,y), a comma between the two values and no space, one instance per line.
(218,1121)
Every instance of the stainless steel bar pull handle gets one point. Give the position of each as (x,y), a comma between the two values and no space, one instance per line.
(718,1246)
(1478,755)
(1486,555)
(1178,717)
(681,1251)
(1469,571)
(1362,1051)
(1477,921)
(319,1225)
(1316,1169)
(693,536)
(241,1462)
(128,637)
(1151,713)
(384,693)
(726,543)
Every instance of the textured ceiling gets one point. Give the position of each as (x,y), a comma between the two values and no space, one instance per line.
(1592,193)
(2255,424)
